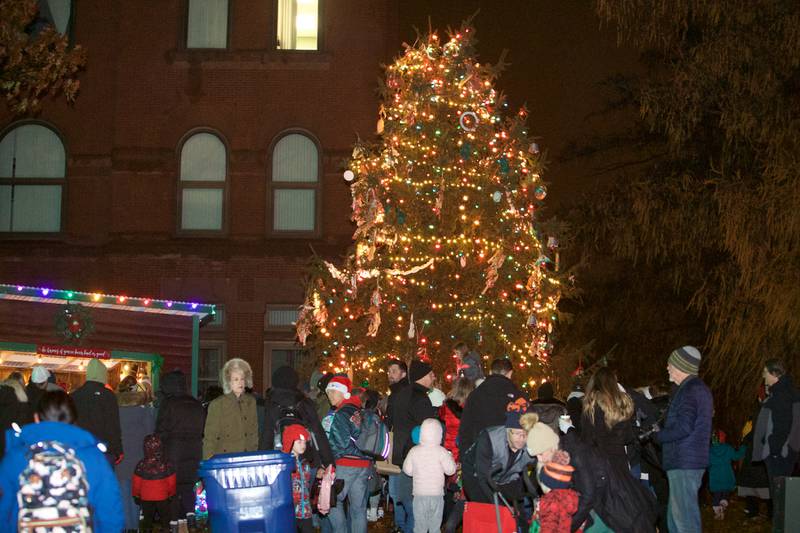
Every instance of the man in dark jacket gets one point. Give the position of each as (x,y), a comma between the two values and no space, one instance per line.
(397,374)
(283,396)
(486,405)
(98,412)
(409,409)
(685,439)
(180,423)
(776,438)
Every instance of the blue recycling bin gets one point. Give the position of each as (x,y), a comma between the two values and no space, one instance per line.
(249,492)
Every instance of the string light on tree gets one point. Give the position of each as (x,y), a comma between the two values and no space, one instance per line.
(447,246)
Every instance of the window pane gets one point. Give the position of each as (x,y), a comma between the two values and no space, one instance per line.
(5,207)
(202,209)
(292,358)
(210,363)
(59,13)
(36,208)
(294,210)
(208,24)
(282,317)
(32,151)
(203,158)
(295,158)
(298,24)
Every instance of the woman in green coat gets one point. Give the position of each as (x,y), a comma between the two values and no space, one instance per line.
(232,422)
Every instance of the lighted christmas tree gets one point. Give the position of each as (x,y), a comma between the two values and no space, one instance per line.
(447,246)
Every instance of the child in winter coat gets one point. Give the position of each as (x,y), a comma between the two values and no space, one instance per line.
(428,463)
(295,438)
(154,483)
(560,501)
(721,479)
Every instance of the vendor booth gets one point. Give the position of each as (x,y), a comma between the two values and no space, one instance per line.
(62,330)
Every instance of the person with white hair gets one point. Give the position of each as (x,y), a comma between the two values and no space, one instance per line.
(232,421)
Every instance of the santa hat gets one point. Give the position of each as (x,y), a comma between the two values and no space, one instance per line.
(292,433)
(342,384)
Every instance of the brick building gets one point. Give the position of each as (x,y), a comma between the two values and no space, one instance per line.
(202,160)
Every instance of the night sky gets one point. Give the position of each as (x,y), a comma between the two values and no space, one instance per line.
(558,56)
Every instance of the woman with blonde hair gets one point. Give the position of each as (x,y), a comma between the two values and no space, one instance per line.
(232,422)
(607,420)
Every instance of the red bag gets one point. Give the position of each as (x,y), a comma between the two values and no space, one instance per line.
(482,518)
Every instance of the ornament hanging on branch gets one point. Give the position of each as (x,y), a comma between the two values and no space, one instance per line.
(492,270)
(412,330)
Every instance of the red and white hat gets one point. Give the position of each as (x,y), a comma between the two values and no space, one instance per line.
(342,384)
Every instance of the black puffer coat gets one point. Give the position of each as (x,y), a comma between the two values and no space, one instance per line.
(410,408)
(486,407)
(180,423)
(98,413)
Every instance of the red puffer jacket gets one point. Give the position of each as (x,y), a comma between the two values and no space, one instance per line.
(153,490)
(450,413)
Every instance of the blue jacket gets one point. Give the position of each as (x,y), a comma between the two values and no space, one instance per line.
(720,472)
(686,436)
(104,496)
(343,432)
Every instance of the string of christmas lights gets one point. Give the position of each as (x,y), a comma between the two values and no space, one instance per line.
(447,245)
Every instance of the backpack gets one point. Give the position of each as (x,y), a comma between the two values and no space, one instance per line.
(373,440)
(53,491)
(285,416)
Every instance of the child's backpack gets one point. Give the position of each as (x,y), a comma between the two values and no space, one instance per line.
(53,491)
(285,416)
(373,440)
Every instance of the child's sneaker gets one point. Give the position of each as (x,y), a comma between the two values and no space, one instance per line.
(372,514)
(719,512)
(380,512)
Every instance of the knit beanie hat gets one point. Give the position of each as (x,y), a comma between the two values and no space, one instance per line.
(419,369)
(285,377)
(39,374)
(545,391)
(541,438)
(292,433)
(96,371)
(686,359)
(514,411)
(556,476)
(342,384)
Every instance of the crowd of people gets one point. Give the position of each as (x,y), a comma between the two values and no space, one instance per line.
(610,458)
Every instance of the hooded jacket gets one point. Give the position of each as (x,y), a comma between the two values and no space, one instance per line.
(104,498)
(686,436)
(154,478)
(180,423)
(428,463)
(720,472)
(98,413)
(450,414)
(485,407)
(777,430)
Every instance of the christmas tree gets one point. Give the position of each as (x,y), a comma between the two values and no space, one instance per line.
(447,247)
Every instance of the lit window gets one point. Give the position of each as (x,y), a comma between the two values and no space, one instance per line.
(207,24)
(32,171)
(295,184)
(281,317)
(202,183)
(298,24)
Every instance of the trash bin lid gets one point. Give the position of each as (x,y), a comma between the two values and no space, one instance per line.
(261,458)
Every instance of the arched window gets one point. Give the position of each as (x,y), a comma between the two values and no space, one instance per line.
(32,177)
(204,169)
(295,184)
(207,24)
